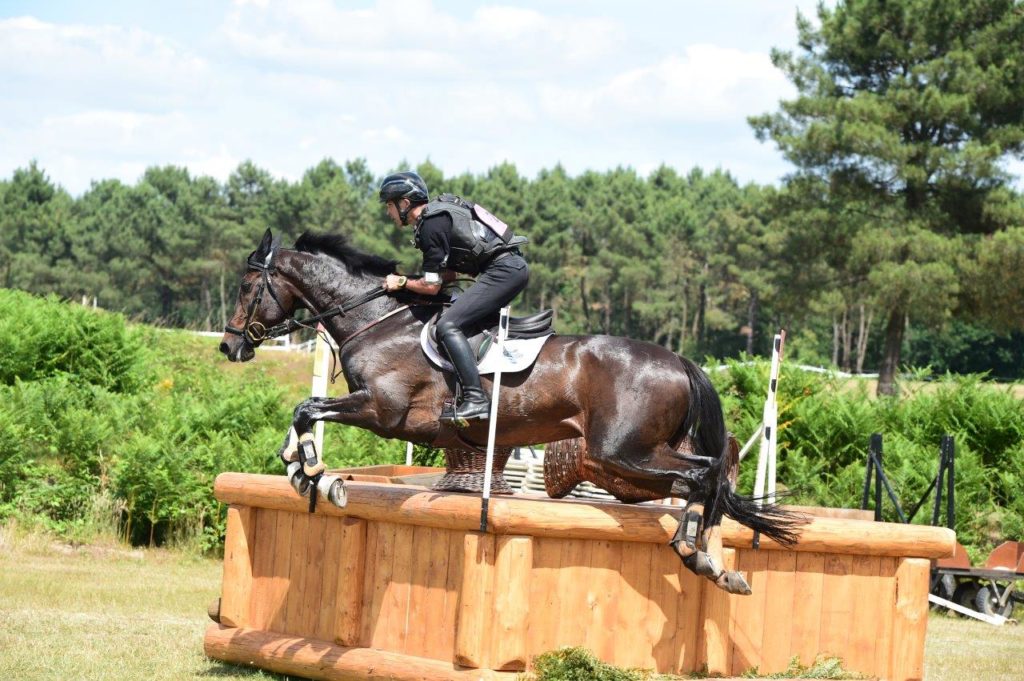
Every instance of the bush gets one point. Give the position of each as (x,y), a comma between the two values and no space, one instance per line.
(91,408)
(825,424)
(42,338)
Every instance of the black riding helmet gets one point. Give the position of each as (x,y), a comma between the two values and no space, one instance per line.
(404,185)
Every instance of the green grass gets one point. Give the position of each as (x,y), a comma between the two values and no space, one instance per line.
(103,611)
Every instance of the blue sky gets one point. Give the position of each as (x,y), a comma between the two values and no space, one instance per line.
(95,90)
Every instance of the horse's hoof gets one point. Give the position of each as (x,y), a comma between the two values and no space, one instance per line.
(332,488)
(734,583)
(289,451)
(700,563)
(300,483)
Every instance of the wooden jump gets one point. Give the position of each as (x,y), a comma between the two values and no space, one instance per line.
(400,585)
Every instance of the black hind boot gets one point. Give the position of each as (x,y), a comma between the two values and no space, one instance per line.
(475,406)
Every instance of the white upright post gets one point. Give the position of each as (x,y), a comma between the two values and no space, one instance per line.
(765,480)
(321,367)
(408,453)
(492,425)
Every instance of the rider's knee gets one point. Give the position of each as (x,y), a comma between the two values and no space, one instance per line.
(446,327)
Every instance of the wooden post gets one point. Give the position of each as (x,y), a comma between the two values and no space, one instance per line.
(910,620)
(475,606)
(512,568)
(238,556)
(348,622)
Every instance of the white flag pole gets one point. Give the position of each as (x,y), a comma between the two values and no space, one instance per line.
(408,453)
(769,420)
(492,426)
(321,367)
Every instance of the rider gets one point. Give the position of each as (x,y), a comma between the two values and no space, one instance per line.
(451,233)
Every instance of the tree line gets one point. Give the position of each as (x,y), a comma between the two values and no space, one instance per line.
(898,239)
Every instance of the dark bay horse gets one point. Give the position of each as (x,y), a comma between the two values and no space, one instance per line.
(645,415)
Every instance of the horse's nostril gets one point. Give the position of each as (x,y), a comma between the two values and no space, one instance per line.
(224,348)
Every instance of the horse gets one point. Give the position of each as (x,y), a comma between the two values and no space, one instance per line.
(646,416)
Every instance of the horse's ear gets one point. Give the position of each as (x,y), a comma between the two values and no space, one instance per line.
(265,246)
(275,246)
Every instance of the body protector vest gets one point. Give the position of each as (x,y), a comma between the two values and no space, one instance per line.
(477,236)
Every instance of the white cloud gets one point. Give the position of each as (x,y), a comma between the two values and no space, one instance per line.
(289,83)
(126,64)
(409,41)
(709,83)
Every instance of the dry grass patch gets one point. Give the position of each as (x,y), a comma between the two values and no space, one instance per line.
(961,648)
(105,612)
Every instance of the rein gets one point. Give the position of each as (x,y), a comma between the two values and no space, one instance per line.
(254,332)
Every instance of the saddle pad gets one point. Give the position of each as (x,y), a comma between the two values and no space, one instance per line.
(518,354)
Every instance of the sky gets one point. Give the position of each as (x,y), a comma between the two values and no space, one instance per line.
(105,89)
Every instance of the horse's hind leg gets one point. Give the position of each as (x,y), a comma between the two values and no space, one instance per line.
(701,551)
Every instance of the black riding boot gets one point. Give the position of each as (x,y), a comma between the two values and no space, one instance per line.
(474,404)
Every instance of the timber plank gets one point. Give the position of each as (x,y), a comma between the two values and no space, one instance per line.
(776,649)
(749,616)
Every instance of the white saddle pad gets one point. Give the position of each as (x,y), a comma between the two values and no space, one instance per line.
(517,354)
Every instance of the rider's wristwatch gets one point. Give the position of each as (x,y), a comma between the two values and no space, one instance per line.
(402,279)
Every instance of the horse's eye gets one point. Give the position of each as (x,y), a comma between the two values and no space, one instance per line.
(246,286)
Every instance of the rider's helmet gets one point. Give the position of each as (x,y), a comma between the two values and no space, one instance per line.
(404,185)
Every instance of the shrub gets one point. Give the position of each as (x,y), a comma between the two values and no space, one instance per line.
(42,338)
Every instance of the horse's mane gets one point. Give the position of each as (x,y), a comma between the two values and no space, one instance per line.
(338,247)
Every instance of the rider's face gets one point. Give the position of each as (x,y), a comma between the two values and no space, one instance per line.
(393,213)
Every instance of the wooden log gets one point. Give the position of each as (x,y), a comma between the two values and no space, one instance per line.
(326,610)
(512,567)
(837,605)
(911,620)
(578,520)
(715,644)
(236,589)
(298,570)
(383,567)
(437,627)
(544,597)
(885,594)
(633,648)
(313,659)
(315,571)
(605,580)
(749,612)
(860,649)
(826,512)
(265,540)
(472,634)
(808,587)
(399,590)
(776,644)
(280,579)
(351,570)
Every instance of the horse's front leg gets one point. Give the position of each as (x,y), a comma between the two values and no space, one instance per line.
(304,466)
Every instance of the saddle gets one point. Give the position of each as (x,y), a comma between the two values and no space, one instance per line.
(526,336)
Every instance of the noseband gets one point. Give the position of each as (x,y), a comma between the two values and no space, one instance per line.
(254,332)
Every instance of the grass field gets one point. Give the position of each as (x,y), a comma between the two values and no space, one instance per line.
(106,612)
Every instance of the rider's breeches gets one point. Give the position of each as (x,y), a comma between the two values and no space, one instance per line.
(495,287)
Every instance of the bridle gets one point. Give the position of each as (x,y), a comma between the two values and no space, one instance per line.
(253,332)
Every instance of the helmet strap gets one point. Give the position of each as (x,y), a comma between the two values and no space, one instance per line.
(403,214)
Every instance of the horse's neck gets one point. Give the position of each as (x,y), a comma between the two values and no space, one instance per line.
(325,284)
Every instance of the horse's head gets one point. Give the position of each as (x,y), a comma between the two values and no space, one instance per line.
(264,300)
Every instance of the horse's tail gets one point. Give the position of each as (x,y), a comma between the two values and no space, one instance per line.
(706,424)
